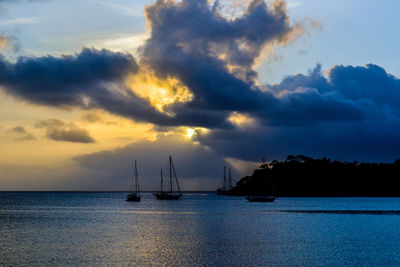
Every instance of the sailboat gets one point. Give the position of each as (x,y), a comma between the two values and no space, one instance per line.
(260,198)
(134,195)
(169,195)
(226,188)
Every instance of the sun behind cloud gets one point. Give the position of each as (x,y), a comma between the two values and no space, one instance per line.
(160,92)
(192,132)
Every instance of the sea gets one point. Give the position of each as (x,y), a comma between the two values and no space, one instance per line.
(200,229)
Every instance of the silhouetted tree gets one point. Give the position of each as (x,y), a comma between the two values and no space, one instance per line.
(303,176)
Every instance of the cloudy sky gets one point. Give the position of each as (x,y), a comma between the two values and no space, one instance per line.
(88,86)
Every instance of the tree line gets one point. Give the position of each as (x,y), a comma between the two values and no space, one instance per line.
(304,176)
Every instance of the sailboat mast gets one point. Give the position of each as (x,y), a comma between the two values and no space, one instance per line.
(136,178)
(132,179)
(161,182)
(230,179)
(170,172)
(176,178)
(224,178)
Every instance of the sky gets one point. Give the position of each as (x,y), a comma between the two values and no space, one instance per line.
(89,86)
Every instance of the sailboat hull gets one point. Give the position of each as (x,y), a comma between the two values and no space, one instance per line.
(260,198)
(133,198)
(167,196)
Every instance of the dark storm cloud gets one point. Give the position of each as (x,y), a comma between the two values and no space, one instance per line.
(58,130)
(192,41)
(368,91)
(306,106)
(314,79)
(188,50)
(214,57)
(196,28)
(363,141)
(323,126)
(356,83)
(65,80)
(90,79)
(370,82)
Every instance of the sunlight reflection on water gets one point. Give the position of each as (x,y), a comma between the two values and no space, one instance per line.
(200,229)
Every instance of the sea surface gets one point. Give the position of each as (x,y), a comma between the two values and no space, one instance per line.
(201,229)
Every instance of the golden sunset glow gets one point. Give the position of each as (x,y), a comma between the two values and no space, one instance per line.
(33,148)
(122,76)
(160,92)
(241,120)
(199,132)
(191,132)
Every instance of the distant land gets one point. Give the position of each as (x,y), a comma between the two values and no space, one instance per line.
(304,176)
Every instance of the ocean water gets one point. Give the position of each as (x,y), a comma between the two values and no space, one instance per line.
(201,229)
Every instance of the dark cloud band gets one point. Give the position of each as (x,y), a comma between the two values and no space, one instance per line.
(214,57)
